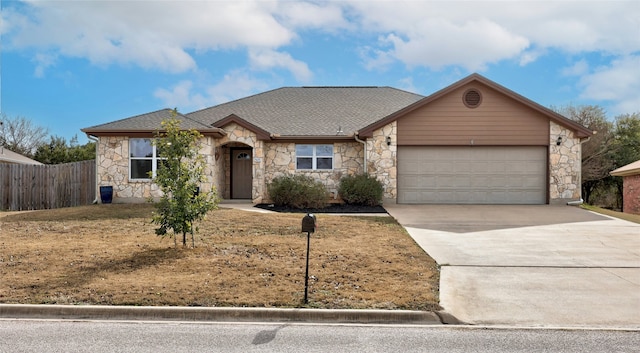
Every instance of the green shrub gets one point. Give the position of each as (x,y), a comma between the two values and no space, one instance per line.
(298,191)
(361,189)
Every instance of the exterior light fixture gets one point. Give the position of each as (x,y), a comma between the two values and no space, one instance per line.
(559,141)
(388,140)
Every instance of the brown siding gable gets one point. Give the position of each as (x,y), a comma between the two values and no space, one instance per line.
(581,131)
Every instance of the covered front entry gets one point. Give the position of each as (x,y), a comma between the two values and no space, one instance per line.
(241,173)
(472,175)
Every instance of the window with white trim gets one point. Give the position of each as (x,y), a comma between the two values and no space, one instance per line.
(143,158)
(314,157)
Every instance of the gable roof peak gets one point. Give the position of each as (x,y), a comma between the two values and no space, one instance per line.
(148,123)
(310,111)
(580,130)
(340,87)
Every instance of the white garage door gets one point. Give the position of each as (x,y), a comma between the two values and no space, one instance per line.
(472,175)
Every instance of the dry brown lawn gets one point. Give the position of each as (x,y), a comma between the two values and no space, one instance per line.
(109,254)
(625,216)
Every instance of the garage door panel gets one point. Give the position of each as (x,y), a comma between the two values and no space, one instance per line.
(472,175)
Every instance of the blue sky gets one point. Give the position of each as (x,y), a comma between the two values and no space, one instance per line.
(67,65)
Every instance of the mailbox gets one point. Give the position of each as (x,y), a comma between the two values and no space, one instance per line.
(309,223)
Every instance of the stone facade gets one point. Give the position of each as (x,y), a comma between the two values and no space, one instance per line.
(631,194)
(238,136)
(269,161)
(565,165)
(273,159)
(382,158)
(280,159)
(113,170)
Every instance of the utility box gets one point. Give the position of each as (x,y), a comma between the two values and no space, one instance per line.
(309,223)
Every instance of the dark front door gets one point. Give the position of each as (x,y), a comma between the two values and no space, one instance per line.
(241,174)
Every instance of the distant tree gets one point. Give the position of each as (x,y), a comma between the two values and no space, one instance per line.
(596,153)
(625,147)
(58,151)
(626,139)
(20,135)
(178,176)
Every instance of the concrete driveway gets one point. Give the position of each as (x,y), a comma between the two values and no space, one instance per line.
(531,265)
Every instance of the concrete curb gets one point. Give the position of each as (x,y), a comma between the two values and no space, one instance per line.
(158,313)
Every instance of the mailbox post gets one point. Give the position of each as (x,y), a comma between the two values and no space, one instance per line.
(308,226)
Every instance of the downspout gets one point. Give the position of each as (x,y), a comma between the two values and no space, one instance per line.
(364,144)
(92,138)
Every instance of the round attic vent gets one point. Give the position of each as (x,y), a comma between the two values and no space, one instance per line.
(472,98)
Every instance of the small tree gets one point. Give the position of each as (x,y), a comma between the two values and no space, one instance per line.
(179,172)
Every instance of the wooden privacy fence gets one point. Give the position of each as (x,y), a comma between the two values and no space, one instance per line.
(36,187)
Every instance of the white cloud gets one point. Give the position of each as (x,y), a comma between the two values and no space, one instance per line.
(180,96)
(268,59)
(619,82)
(43,61)
(530,56)
(579,68)
(472,45)
(165,35)
(235,85)
(327,16)
(407,84)
(150,34)
(472,34)
(374,58)
(187,96)
(583,26)
(460,35)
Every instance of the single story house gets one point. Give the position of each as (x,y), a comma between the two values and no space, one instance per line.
(630,174)
(10,157)
(473,142)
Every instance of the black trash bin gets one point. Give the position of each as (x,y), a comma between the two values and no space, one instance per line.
(106,194)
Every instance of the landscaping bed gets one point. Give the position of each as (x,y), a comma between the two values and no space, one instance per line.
(110,255)
(332,208)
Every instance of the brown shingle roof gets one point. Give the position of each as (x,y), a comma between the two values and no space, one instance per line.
(312,111)
(146,123)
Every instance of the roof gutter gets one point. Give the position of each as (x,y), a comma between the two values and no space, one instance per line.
(215,132)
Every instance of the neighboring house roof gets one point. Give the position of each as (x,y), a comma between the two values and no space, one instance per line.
(628,170)
(310,111)
(149,123)
(581,131)
(7,156)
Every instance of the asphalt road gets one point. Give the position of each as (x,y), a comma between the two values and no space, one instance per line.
(108,336)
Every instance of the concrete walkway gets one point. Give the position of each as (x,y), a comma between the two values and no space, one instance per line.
(531,265)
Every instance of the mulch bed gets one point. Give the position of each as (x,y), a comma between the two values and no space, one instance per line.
(333,208)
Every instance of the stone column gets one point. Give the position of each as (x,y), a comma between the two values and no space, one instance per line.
(565,165)
(382,159)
